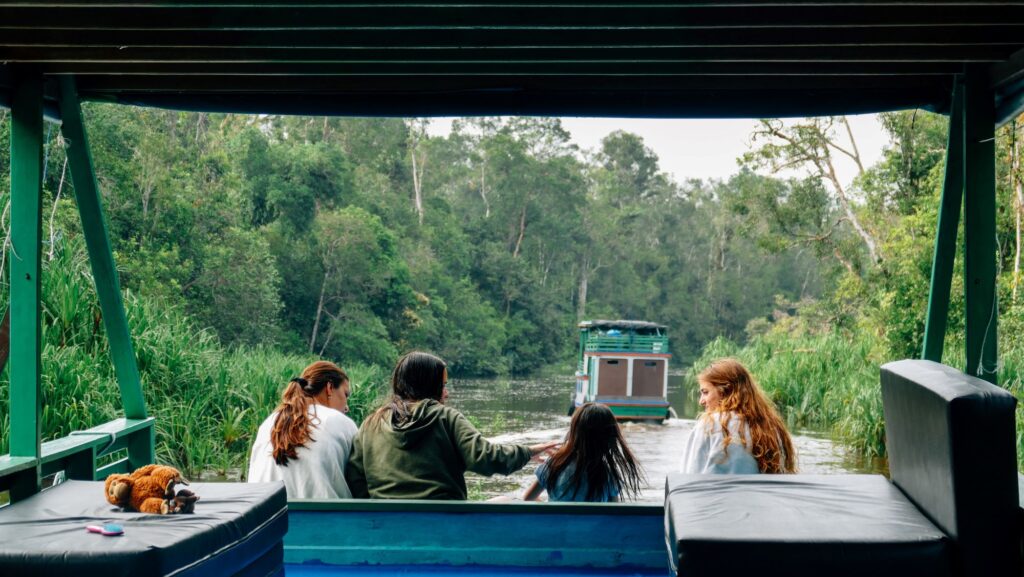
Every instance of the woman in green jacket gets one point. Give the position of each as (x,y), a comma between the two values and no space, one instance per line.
(416,447)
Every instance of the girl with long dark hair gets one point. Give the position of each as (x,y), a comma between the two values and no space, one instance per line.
(594,464)
(416,447)
(307,440)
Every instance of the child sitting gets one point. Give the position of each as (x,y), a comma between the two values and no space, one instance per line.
(594,464)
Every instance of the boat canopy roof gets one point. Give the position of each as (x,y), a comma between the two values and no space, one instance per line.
(658,58)
(621,325)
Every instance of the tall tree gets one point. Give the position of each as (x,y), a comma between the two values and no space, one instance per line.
(810,144)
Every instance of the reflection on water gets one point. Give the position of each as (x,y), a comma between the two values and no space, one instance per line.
(533,410)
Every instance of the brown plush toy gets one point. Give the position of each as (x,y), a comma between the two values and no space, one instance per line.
(149,489)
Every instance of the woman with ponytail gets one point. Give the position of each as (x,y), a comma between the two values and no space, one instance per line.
(307,440)
(740,431)
(417,447)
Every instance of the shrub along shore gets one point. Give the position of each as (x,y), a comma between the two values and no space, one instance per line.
(208,400)
(831,382)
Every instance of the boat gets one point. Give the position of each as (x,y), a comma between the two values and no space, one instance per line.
(730,59)
(624,365)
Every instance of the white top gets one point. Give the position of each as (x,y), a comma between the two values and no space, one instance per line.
(705,451)
(319,470)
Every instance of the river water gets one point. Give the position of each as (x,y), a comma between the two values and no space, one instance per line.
(528,411)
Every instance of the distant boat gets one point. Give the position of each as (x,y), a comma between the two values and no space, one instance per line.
(624,364)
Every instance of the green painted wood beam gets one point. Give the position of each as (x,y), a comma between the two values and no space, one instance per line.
(980,228)
(945,236)
(891,36)
(565,54)
(26,268)
(398,15)
(621,67)
(101,257)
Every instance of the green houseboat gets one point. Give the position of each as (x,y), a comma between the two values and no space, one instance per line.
(624,364)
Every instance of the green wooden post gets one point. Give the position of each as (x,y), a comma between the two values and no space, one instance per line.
(980,227)
(108,287)
(945,236)
(26,232)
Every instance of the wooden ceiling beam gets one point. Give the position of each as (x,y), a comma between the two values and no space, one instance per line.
(576,4)
(197,16)
(890,36)
(426,84)
(627,103)
(128,54)
(626,68)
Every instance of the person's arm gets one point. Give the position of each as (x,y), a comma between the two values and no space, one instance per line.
(533,493)
(482,456)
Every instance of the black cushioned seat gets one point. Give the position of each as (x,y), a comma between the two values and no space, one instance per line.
(814,525)
(237,529)
(951,507)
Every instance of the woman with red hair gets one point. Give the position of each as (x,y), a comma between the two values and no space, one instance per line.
(739,431)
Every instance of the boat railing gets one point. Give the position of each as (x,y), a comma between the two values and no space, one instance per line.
(627,343)
(115,447)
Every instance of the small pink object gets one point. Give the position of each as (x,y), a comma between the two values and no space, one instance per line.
(109,530)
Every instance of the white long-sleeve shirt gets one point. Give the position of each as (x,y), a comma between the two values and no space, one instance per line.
(319,470)
(705,451)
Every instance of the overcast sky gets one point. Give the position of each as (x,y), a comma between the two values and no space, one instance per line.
(702,148)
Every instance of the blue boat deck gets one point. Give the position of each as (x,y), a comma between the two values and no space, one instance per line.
(292,570)
(413,538)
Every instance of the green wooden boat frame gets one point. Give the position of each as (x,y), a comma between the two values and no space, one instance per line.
(666,59)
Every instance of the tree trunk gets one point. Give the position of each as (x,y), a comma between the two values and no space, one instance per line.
(417,183)
(848,209)
(483,191)
(53,212)
(200,125)
(319,313)
(581,303)
(522,233)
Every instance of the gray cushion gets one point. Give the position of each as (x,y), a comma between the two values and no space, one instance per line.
(799,525)
(236,526)
(952,449)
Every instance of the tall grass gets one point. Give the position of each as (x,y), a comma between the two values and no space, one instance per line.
(824,382)
(208,400)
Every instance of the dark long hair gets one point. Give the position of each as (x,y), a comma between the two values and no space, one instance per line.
(291,429)
(599,455)
(417,376)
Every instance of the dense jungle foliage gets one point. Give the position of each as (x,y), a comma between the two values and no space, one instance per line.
(249,245)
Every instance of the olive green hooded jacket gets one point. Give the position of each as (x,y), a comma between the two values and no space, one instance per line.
(426,457)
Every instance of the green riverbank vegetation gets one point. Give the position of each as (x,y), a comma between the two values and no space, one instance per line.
(819,357)
(250,245)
